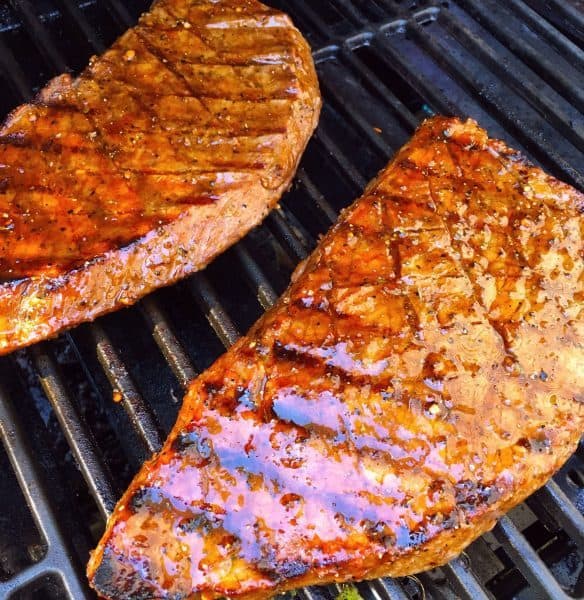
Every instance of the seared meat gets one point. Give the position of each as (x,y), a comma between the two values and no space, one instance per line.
(423,374)
(163,153)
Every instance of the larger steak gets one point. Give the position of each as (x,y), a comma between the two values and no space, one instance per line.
(163,153)
(423,374)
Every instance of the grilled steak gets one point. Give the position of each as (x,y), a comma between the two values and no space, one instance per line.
(163,153)
(423,374)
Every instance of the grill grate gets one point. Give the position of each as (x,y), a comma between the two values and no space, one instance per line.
(516,66)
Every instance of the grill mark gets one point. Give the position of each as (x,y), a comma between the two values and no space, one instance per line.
(149,102)
(395,254)
(199,13)
(117,61)
(126,160)
(225,167)
(120,88)
(158,53)
(146,110)
(99,127)
(62,162)
(153,173)
(243,133)
(522,262)
(52,214)
(282,89)
(519,258)
(264,101)
(198,199)
(30,142)
(130,85)
(169,67)
(503,329)
(9,182)
(231,54)
(499,334)
(237,23)
(214,140)
(20,186)
(337,317)
(66,260)
(166,65)
(304,360)
(234,65)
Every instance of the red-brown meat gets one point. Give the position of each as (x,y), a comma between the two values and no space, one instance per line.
(163,153)
(423,374)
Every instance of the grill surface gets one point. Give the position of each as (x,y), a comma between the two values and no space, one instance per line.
(79,414)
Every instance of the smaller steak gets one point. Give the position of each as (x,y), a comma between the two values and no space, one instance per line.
(164,152)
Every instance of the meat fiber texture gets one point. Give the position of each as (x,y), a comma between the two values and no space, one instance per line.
(164,152)
(423,374)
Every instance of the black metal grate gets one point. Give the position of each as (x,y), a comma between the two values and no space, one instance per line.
(79,414)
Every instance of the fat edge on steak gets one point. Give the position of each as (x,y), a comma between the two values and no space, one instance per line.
(422,375)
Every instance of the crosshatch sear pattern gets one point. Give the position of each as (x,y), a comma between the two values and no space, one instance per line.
(164,152)
(421,376)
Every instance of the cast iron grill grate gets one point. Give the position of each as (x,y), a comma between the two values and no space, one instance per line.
(69,450)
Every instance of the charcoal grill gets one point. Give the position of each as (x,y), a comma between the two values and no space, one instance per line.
(79,414)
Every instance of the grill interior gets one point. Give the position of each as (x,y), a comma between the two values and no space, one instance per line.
(79,414)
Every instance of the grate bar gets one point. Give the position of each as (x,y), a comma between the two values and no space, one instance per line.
(378,589)
(522,82)
(494,101)
(463,580)
(168,343)
(349,10)
(120,14)
(562,510)
(316,592)
(70,8)
(316,196)
(435,97)
(384,93)
(492,18)
(24,464)
(14,74)
(285,234)
(566,47)
(527,560)
(25,577)
(309,14)
(140,414)
(208,301)
(308,594)
(341,159)
(40,36)
(392,7)
(82,444)
(258,281)
(386,589)
(351,112)
(571,17)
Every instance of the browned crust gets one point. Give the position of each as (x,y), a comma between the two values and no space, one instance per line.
(525,472)
(38,307)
